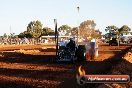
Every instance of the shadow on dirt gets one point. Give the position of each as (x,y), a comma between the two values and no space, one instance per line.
(67,78)
(10,84)
(14,57)
(33,74)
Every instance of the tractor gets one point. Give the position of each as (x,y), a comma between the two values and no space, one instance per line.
(71,52)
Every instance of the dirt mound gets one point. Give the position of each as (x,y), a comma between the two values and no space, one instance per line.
(27,51)
(128,56)
(124,67)
(115,85)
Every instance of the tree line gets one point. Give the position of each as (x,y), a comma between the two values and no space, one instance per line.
(114,30)
(35,29)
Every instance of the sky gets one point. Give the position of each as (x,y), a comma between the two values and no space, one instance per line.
(15,15)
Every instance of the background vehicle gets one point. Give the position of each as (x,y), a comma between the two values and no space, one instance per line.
(113,42)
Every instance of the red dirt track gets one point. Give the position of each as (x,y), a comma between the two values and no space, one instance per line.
(32,66)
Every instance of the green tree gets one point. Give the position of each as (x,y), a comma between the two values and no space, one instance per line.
(131,33)
(124,29)
(96,34)
(25,34)
(21,35)
(47,31)
(118,31)
(111,29)
(87,28)
(74,31)
(64,30)
(35,29)
(5,35)
(12,35)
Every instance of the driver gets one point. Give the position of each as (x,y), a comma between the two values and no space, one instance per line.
(71,45)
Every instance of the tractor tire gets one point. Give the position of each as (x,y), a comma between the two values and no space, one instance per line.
(81,53)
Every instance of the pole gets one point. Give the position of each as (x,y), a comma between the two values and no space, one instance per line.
(78,31)
(10,36)
(56,36)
